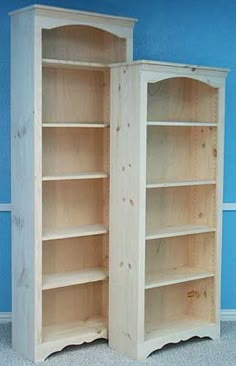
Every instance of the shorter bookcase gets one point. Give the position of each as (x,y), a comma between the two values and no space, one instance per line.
(167,137)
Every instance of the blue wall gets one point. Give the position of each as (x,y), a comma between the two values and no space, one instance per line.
(179,31)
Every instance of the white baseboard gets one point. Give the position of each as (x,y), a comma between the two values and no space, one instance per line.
(228,315)
(5,317)
(4,207)
(225,315)
(228,206)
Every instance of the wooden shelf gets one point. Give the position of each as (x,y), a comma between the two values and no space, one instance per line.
(180,183)
(179,231)
(73,64)
(178,275)
(77,332)
(175,326)
(182,124)
(88,175)
(56,280)
(74,232)
(74,124)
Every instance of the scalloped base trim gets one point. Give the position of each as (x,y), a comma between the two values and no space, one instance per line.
(59,337)
(211,331)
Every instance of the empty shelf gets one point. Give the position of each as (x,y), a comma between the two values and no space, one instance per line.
(73,64)
(88,175)
(78,332)
(55,280)
(169,232)
(182,124)
(179,275)
(74,124)
(180,183)
(175,326)
(64,233)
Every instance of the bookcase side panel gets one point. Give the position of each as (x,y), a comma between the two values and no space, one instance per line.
(219,198)
(127,224)
(24,177)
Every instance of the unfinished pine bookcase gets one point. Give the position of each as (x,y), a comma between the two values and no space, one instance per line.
(60,165)
(167,138)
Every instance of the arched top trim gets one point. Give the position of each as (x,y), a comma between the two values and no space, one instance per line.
(108,30)
(212,82)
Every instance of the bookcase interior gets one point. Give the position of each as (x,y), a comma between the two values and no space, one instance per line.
(176,259)
(74,311)
(181,173)
(180,206)
(63,146)
(75,95)
(74,254)
(181,153)
(183,306)
(182,99)
(74,203)
(75,170)
(83,43)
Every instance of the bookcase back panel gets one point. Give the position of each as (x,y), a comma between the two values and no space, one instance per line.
(74,303)
(182,99)
(74,150)
(68,255)
(191,251)
(179,206)
(83,43)
(75,95)
(190,300)
(68,204)
(181,153)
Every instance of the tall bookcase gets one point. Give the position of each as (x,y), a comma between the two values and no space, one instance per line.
(60,174)
(167,142)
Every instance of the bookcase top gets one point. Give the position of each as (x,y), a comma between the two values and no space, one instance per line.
(45,8)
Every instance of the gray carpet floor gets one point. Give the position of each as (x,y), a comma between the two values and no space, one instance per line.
(195,352)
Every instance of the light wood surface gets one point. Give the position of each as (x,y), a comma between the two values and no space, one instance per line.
(60,139)
(180,183)
(74,254)
(76,330)
(62,146)
(127,194)
(168,232)
(175,326)
(73,95)
(61,305)
(92,175)
(70,204)
(56,337)
(179,275)
(190,153)
(192,299)
(182,99)
(182,124)
(194,252)
(166,270)
(75,125)
(180,206)
(56,280)
(47,62)
(25,187)
(95,45)
(73,232)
